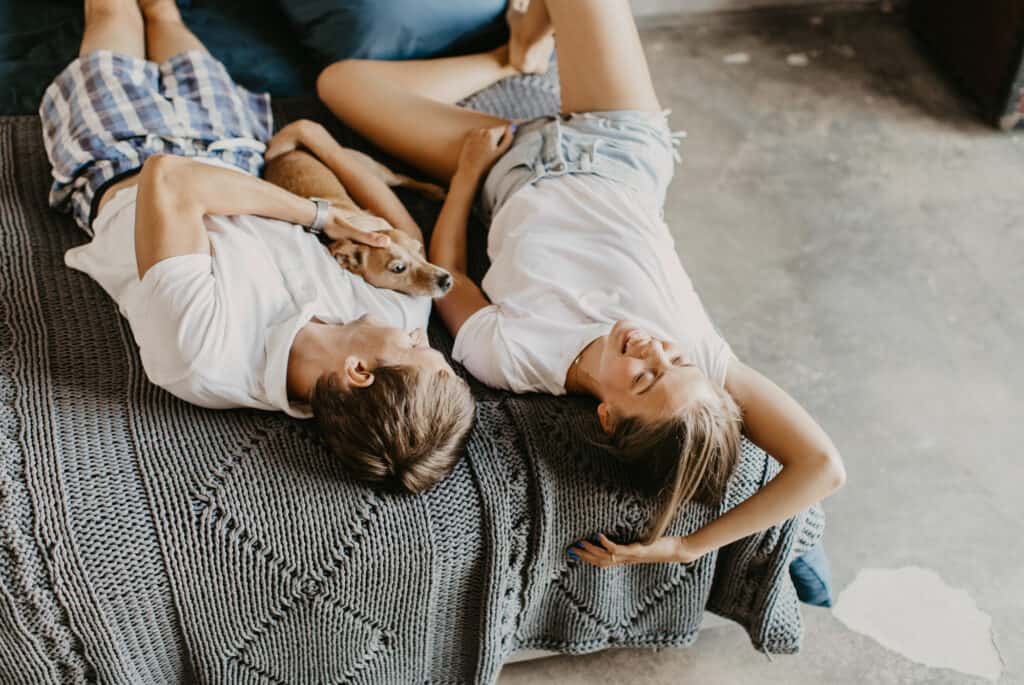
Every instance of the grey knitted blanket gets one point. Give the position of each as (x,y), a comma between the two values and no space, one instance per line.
(143,540)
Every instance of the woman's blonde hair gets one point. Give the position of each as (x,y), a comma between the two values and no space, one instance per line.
(688,457)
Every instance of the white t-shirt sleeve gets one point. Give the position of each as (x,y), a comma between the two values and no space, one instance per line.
(480,347)
(176,318)
(507,352)
(721,356)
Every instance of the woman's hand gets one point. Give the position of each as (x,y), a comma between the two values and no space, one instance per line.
(292,137)
(662,550)
(482,147)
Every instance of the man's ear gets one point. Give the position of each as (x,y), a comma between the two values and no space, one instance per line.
(604,415)
(357,374)
(349,254)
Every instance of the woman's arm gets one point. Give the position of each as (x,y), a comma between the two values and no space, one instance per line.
(811,470)
(367,190)
(480,150)
(175,193)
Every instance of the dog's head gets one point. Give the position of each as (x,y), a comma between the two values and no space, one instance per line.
(401,266)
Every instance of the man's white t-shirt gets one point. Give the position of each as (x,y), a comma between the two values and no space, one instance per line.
(216,330)
(570,256)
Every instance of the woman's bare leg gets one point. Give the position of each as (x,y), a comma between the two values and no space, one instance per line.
(113,25)
(166,33)
(406,107)
(601,62)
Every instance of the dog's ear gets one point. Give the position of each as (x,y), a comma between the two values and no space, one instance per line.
(349,254)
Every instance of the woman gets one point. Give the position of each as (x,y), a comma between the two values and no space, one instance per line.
(585,293)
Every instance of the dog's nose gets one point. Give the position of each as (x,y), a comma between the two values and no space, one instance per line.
(444,282)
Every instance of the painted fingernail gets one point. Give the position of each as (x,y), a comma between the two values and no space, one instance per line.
(595,538)
(513,127)
(578,544)
(572,554)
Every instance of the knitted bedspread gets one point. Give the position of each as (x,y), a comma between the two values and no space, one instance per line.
(144,540)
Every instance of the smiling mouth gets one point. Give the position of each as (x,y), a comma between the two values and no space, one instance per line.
(631,335)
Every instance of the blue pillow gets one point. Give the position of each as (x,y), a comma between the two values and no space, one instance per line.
(812,577)
(396,29)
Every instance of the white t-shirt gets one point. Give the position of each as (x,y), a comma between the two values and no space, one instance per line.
(570,255)
(216,330)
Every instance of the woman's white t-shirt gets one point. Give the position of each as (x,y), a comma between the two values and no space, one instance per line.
(570,256)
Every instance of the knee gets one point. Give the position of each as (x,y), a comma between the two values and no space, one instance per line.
(163,171)
(335,77)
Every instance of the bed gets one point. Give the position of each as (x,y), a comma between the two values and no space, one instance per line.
(143,540)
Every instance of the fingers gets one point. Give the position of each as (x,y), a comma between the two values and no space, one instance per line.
(508,134)
(371,238)
(595,555)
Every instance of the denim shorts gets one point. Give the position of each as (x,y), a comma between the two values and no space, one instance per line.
(628,146)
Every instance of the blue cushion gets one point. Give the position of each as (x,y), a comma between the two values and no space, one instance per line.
(396,29)
(812,577)
(39,38)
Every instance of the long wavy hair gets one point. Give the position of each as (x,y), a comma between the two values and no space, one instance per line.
(688,457)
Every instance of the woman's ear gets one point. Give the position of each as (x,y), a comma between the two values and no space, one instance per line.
(357,374)
(604,415)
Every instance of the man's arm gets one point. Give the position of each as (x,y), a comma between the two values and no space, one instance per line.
(175,193)
(366,189)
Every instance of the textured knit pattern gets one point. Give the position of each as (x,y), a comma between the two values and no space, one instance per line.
(143,540)
(106,113)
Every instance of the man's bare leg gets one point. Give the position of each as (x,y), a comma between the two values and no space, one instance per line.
(601,62)
(166,33)
(114,25)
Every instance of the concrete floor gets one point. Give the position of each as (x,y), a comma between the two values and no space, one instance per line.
(858,235)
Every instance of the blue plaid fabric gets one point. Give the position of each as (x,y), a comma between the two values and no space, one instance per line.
(106,113)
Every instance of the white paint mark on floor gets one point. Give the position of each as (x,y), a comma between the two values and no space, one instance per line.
(913,612)
(737,58)
(797,59)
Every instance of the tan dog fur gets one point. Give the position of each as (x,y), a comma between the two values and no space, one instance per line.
(402,265)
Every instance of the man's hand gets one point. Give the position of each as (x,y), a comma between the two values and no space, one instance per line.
(481,148)
(608,554)
(292,137)
(360,227)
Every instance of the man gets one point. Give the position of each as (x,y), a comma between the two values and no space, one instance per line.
(157,153)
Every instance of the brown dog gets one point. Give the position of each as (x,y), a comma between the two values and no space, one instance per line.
(400,266)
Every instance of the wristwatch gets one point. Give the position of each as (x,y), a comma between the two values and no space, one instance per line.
(323,207)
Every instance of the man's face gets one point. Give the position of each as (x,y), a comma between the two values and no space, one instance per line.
(378,344)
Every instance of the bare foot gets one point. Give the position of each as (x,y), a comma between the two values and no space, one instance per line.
(530,42)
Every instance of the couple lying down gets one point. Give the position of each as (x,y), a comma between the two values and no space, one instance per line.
(158,155)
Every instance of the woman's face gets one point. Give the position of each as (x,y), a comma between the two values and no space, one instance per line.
(645,377)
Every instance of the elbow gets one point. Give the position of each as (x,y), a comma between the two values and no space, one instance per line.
(835,472)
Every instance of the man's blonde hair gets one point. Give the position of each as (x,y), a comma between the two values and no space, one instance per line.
(688,457)
(404,431)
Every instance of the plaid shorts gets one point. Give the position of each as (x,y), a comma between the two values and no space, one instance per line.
(106,113)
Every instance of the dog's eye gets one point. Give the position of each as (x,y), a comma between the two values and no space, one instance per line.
(397,268)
